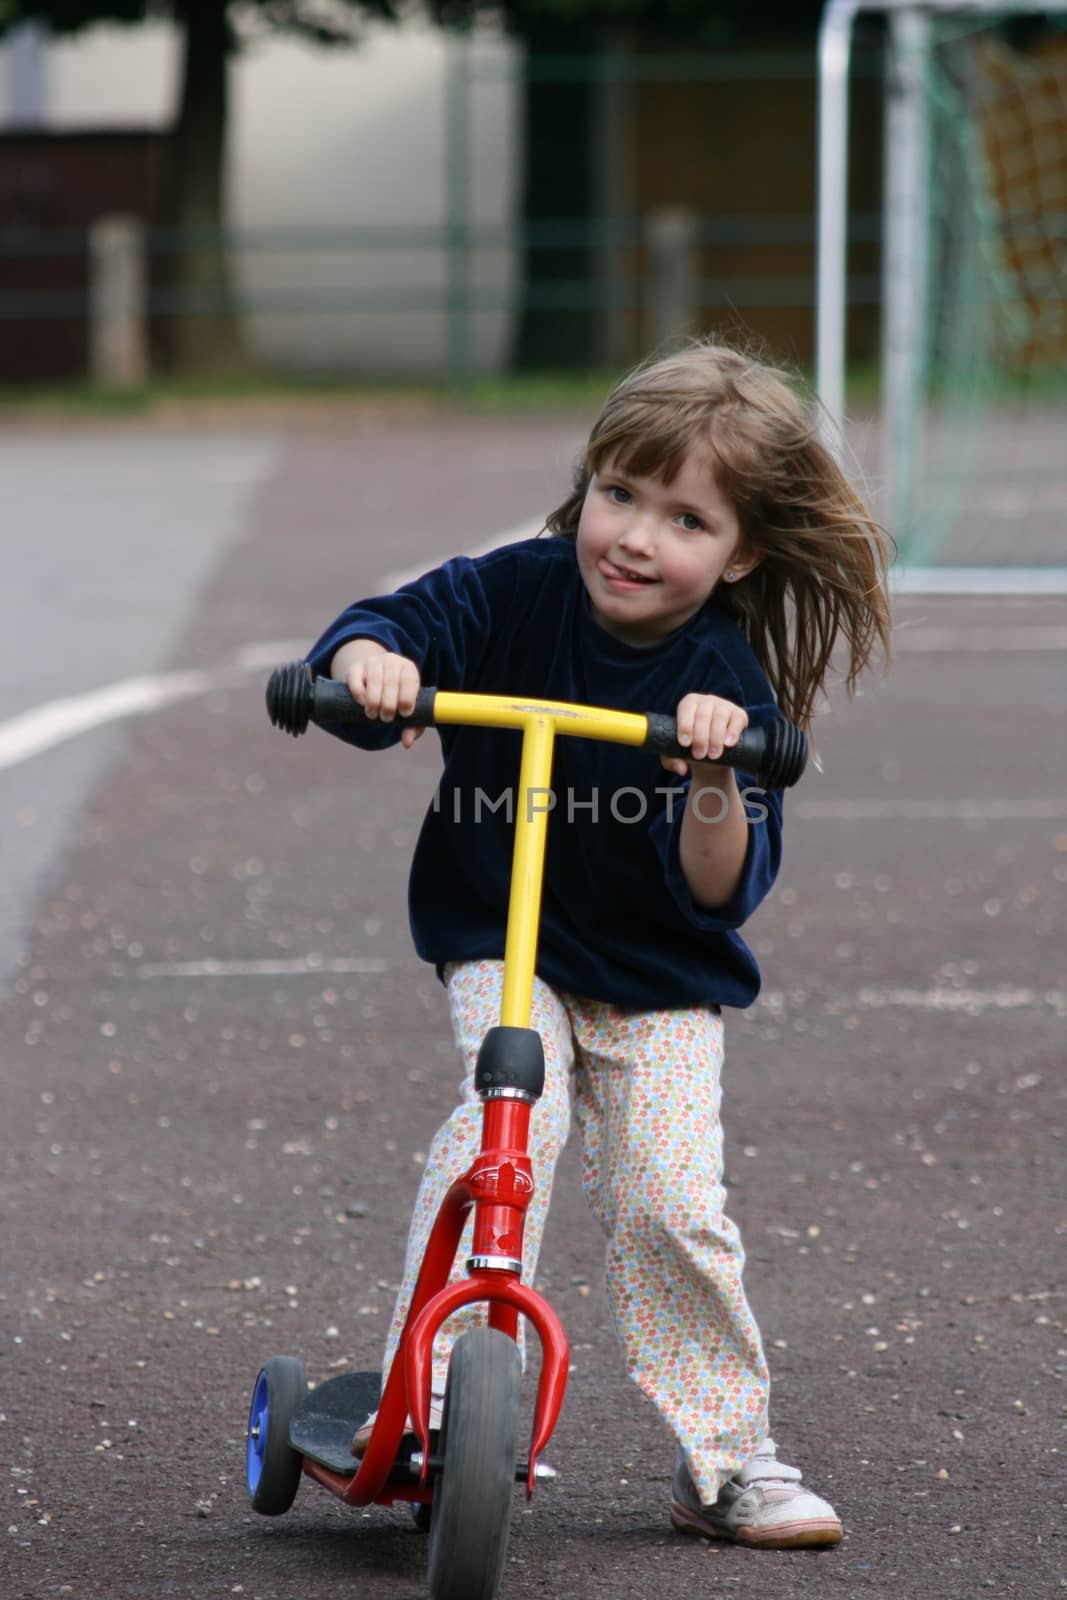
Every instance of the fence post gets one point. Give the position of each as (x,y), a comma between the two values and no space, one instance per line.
(118,346)
(612,117)
(459,360)
(905,269)
(672,288)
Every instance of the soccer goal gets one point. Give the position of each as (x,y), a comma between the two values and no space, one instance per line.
(973,375)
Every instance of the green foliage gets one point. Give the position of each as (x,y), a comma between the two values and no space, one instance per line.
(707,21)
(325,24)
(66,16)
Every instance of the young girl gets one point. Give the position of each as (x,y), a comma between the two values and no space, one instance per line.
(708,559)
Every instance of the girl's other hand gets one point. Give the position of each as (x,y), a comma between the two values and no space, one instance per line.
(707,724)
(383,683)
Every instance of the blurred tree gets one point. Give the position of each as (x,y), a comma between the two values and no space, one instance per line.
(211,31)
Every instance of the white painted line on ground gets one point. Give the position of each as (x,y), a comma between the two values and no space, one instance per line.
(1012,809)
(295,967)
(979,580)
(943,999)
(27,735)
(972,1001)
(272,653)
(923,640)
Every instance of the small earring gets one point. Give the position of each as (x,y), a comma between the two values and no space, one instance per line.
(730,576)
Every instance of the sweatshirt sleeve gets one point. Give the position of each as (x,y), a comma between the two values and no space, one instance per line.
(441,621)
(763,853)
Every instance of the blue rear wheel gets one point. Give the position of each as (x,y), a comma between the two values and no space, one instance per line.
(272,1466)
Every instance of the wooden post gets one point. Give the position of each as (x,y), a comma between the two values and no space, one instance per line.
(118,345)
(672,283)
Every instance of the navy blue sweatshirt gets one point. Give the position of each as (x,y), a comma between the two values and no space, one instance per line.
(618,921)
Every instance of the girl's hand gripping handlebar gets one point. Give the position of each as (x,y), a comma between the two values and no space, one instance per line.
(776,753)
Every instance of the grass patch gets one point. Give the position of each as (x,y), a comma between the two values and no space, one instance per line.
(537,391)
(157,394)
(71,398)
(503,393)
(525,392)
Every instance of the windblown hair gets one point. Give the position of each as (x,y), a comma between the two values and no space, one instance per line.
(823,559)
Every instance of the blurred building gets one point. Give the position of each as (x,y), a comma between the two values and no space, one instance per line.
(375,195)
(321,142)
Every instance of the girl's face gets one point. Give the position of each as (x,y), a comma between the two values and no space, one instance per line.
(650,553)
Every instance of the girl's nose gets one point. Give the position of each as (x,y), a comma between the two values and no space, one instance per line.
(638,534)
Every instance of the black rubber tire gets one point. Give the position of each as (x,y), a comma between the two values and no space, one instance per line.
(472,1497)
(282,1466)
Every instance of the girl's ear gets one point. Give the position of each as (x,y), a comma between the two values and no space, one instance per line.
(741,566)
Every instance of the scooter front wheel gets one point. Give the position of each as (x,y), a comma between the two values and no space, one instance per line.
(478,1442)
(272,1466)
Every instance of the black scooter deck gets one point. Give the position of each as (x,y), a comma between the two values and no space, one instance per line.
(323,1423)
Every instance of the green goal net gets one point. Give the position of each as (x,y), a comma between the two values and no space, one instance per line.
(990,460)
(973,414)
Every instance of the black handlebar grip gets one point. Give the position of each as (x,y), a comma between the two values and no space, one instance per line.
(290,697)
(295,698)
(776,752)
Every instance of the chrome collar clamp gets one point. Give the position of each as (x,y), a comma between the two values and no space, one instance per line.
(511,1065)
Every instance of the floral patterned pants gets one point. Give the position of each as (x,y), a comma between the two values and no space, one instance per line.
(644,1087)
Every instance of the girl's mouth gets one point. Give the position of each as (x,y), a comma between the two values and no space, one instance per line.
(623,577)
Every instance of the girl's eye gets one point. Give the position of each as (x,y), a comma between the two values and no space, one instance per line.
(690,522)
(618,494)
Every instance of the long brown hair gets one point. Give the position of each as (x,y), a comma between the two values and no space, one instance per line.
(823,558)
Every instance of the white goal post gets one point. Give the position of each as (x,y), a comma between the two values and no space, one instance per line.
(906,243)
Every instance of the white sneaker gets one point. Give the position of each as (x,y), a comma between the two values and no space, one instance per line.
(763,1505)
(362,1435)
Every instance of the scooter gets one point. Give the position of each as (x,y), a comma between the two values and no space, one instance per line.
(460,1478)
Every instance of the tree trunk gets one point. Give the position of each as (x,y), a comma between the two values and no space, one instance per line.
(204,336)
(557,187)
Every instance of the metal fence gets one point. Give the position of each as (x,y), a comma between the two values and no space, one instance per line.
(116,273)
(630,271)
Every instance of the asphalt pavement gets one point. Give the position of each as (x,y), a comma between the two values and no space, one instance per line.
(108,540)
(222,1065)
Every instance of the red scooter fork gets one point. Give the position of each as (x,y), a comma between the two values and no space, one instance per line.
(498,1289)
